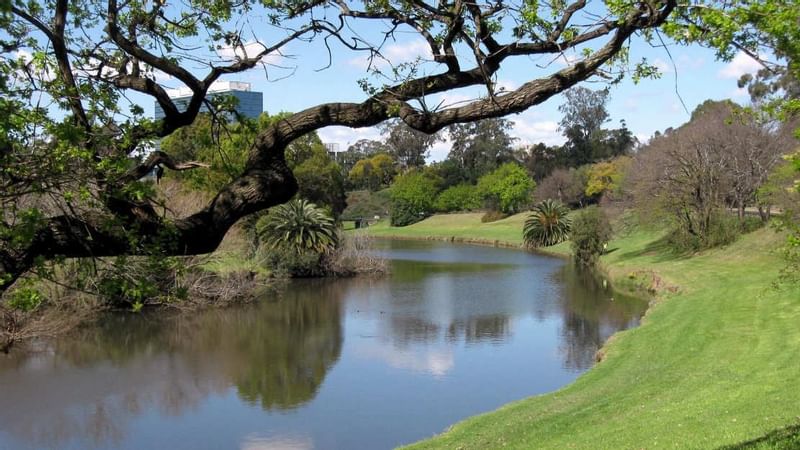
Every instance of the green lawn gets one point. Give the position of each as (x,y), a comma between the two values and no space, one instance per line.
(716,363)
(459,226)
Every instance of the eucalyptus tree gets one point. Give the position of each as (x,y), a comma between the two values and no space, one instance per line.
(71,178)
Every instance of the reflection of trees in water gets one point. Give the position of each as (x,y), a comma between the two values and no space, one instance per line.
(415,271)
(290,345)
(406,330)
(276,354)
(492,328)
(590,316)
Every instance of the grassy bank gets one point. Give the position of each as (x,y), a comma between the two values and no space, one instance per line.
(466,227)
(716,362)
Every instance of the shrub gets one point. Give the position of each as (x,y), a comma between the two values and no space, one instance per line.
(462,197)
(590,232)
(509,187)
(299,226)
(547,225)
(722,229)
(412,197)
(289,263)
(492,216)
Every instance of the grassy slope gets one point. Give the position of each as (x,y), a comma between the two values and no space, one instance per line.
(717,363)
(467,226)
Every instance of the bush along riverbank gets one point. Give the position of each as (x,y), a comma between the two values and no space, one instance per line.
(714,363)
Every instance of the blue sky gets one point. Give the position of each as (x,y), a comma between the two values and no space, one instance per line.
(301,78)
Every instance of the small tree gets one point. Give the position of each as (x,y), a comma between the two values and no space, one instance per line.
(508,188)
(547,225)
(605,178)
(462,197)
(591,231)
(412,197)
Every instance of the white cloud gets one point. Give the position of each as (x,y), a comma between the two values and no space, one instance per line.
(395,54)
(662,66)
(534,131)
(505,86)
(345,136)
(642,138)
(450,99)
(440,150)
(256,442)
(740,65)
(38,73)
(436,362)
(248,50)
(567,58)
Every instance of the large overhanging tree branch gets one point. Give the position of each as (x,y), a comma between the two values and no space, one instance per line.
(85,55)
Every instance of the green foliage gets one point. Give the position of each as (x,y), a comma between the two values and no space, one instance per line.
(548,224)
(298,226)
(320,181)
(462,197)
(723,228)
(366,204)
(224,146)
(287,263)
(412,195)
(373,173)
(134,282)
(508,188)
(477,149)
(590,234)
(25,298)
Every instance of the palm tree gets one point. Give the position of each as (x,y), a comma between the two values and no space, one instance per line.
(299,226)
(547,225)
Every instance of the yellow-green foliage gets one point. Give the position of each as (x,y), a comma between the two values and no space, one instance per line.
(507,188)
(606,177)
(373,173)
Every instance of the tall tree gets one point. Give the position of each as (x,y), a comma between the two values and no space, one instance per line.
(585,114)
(75,165)
(480,147)
(408,146)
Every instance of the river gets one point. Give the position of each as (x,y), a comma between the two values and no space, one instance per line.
(363,363)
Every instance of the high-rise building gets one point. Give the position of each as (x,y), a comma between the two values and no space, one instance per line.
(250,104)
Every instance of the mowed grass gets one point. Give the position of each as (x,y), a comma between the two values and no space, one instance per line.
(715,364)
(461,226)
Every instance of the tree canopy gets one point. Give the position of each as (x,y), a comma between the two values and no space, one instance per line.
(73,147)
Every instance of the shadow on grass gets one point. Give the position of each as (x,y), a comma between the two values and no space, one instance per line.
(782,438)
(659,249)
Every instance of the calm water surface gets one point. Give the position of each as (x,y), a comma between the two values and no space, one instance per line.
(330,364)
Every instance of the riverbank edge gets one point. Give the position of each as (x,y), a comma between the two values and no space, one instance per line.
(643,283)
(617,283)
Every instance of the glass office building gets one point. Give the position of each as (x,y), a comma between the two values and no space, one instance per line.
(249,104)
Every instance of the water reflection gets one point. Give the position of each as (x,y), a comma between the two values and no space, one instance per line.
(360,363)
(275,356)
(591,314)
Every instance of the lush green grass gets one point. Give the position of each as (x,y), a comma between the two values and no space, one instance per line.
(716,363)
(462,226)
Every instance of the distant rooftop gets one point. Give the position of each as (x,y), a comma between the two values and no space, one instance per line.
(217,86)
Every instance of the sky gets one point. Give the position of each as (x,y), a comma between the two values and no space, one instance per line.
(304,77)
